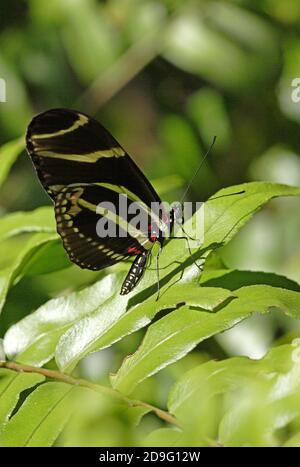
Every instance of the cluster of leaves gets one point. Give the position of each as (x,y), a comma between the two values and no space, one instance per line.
(232,402)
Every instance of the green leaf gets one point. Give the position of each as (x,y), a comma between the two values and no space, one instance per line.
(293,442)
(225,213)
(266,403)
(48,258)
(179,138)
(33,339)
(16,111)
(164,437)
(230,208)
(39,220)
(232,279)
(226,45)
(227,375)
(207,108)
(41,417)
(258,398)
(106,330)
(135,414)
(17,267)
(11,385)
(180,331)
(8,155)
(99,40)
(118,316)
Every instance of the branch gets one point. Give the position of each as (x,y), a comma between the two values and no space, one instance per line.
(104,390)
(110,82)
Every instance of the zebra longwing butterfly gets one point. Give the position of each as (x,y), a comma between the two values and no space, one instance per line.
(80,164)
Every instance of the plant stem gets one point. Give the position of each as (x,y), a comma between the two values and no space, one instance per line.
(104,390)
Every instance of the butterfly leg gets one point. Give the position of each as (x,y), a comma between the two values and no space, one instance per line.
(200,268)
(157,273)
(187,238)
(135,273)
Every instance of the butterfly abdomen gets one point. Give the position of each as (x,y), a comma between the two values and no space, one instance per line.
(135,273)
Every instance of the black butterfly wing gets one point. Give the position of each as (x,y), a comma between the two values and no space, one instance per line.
(80,164)
(70,147)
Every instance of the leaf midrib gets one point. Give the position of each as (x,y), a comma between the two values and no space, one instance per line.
(45,417)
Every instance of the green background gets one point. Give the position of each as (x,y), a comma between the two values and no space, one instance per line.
(164,77)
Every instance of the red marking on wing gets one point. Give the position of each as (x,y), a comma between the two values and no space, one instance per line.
(133,249)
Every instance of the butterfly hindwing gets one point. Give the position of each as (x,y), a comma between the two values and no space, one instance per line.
(78,214)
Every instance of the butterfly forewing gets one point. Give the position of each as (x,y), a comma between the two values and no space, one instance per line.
(69,147)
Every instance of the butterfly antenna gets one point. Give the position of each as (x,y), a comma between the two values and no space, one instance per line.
(186,191)
(198,169)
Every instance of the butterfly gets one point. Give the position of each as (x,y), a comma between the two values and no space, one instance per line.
(80,164)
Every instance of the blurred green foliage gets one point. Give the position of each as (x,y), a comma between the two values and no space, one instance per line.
(164,77)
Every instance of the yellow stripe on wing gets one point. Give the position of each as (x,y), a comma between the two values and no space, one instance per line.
(82,120)
(132,231)
(122,190)
(90,157)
